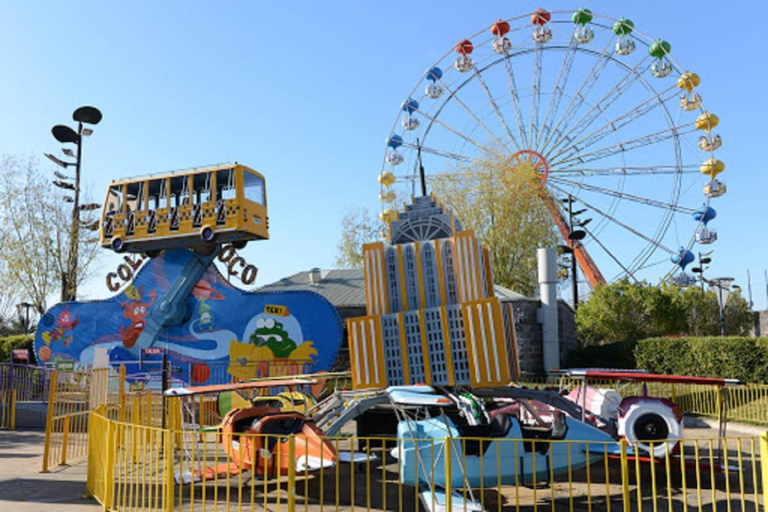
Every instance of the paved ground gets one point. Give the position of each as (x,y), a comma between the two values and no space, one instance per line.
(23,488)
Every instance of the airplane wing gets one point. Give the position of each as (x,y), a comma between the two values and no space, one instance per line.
(635,376)
(237,386)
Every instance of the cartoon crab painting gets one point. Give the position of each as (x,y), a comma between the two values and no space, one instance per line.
(135,311)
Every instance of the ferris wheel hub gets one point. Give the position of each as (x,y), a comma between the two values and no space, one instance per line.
(526,166)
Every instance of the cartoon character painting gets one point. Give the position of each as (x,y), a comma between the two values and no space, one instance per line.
(64,325)
(202,292)
(270,333)
(135,311)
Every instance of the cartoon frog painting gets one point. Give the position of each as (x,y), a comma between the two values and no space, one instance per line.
(64,324)
(271,334)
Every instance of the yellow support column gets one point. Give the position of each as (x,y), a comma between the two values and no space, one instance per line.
(49,420)
(121,395)
(292,473)
(13,410)
(764,467)
(624,474)
(448,474)
(168,470)
(109,466)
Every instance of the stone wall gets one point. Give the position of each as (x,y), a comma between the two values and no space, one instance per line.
(761,323)
(529,337)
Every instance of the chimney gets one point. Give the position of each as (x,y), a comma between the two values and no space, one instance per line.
(314,276)
(547,259)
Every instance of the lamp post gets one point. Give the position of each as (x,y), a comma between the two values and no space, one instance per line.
(66,135)
(24,317)
(720,283)
(704,259)
(574,237)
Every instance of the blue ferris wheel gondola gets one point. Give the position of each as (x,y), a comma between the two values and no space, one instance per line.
(705,214)
(683,258)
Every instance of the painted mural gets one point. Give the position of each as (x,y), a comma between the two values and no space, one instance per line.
(220,332)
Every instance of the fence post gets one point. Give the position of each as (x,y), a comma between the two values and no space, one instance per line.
(764,467)
(448,474)
(168,485)
(624,474)
(292,473)
(13,409)
(64,440)
(49,419)
(121,395)
(110,447)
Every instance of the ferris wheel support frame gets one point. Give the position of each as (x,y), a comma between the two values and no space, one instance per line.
(587,264)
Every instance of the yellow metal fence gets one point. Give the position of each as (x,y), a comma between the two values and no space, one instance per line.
(136,467)
(8,409)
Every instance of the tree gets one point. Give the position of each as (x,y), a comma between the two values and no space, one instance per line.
(629,311)
(358,227)
(34,233)
(506,211)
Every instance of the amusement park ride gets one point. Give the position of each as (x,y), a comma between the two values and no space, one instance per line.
(436,346)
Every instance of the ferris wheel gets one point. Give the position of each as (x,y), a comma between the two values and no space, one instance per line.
(601,114)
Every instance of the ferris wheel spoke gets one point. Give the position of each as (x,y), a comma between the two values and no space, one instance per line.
(581,94)
(619,122)
(503,121)
(472,114)
(533,126)
(623,195)
(599,107)
(516,102)
(459,134)
(594,237)
(557,93)
(438,152)
(623,147)
(616,221)
(624,170)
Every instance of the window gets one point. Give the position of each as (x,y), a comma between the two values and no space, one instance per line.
(202,188)
(179,190)
(134,196)
(115,199)
(225,184)
(156,193)
(253,188)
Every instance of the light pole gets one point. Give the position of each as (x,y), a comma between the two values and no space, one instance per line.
(704,259)
(66,135)
(720,283)
(574,237)
(24,317)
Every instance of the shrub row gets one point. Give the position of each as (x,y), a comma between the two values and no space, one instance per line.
(730,357)
(8,343)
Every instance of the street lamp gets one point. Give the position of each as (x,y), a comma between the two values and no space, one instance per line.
(574,237)
(66,135)
(721,283)
(24,316)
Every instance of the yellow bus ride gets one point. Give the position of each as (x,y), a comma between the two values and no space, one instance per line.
(193,208)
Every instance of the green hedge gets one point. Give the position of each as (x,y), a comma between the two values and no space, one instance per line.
(9,343)
(620,354)
(731,357)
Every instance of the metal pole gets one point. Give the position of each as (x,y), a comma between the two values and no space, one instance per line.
(701,274)
(69,293)
(574,267)
(722,308)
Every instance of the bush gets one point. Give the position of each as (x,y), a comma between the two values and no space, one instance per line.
(731,357)
(9,343)
(620,354)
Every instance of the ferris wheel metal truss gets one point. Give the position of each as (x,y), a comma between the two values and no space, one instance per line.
(574,139)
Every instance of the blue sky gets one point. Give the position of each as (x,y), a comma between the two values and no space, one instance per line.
(307,92)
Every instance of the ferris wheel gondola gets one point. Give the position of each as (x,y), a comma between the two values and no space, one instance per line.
(593,109)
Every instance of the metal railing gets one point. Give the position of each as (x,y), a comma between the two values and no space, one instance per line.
(135,467)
